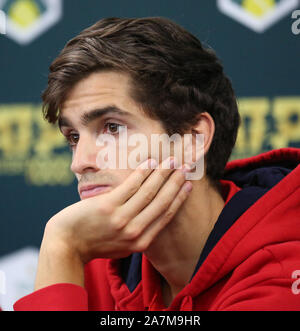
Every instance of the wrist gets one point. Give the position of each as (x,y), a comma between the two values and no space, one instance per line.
(58,262)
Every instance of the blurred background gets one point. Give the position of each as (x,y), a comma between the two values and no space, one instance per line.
(258,42)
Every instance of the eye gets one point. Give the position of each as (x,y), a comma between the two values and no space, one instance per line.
(112,128)
(72,139)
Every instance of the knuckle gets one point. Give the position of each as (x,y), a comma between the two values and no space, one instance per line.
(179,177)
(119,223)
(162,174)
(182,195)
(148,195)
(140,174)
(141,246)
(133,189)
(169,213)
(105,209)
(132,234)
(164,201)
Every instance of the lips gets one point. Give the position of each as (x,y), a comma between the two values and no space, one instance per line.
(92,190)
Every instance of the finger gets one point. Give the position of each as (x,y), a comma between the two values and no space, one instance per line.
(131,185)
(161,222)
(157,207)
(148,189)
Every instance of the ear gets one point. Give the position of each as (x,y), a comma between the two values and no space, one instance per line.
(205,126)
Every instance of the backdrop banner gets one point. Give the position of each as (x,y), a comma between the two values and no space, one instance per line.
(257,41)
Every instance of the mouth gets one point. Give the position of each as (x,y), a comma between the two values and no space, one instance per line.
(92,190)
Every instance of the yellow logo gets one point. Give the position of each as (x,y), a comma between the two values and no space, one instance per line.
(28,19)
(24,12)
(257,15)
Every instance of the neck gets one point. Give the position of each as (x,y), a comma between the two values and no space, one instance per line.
(175,251)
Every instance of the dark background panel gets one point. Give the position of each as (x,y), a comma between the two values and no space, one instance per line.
(259,65)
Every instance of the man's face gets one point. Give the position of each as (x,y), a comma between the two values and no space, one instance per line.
(100,104)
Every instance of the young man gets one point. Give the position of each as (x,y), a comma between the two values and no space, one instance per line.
(147,238)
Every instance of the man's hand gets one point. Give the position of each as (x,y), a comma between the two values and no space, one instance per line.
(110,225)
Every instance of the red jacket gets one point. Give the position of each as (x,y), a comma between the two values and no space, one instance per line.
(251,260)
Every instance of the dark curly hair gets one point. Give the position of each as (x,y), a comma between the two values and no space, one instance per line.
(174,78)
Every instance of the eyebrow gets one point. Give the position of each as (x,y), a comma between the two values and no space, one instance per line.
(92,115)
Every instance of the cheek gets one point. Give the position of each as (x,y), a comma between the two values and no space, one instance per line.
(118,176)
(132,151)
(122,174)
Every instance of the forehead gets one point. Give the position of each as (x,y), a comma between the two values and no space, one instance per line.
(99,90)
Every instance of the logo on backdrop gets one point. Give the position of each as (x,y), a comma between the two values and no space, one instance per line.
(257,15)
(296,23)
(2,22)
(25,20)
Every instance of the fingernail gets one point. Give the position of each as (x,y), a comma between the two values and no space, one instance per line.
(172,163)
(185,168)
(187,186)
(148,164)
(153,163)
(168,163)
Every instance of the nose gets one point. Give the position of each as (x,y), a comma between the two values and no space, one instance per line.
(84,156)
